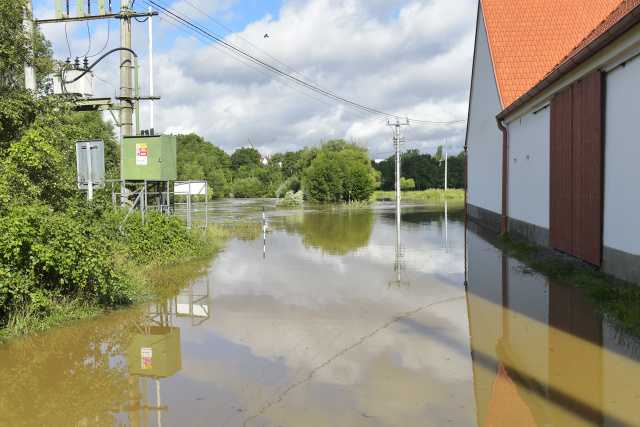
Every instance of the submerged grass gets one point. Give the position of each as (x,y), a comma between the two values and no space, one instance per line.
(613,300)
(427,195)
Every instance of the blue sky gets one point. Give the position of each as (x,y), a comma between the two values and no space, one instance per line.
(410,58)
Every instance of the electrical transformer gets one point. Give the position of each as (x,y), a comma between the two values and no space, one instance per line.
(151,158)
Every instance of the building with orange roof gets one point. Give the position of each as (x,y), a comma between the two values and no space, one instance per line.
(551,128)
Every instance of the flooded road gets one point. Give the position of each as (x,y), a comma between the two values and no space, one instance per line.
(338,318)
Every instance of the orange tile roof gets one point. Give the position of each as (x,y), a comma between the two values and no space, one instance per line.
(528,38)
(615,16)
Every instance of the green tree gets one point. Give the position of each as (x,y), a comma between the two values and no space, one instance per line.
(406,184)
(323,180)
(359,175)
(439,154)
(245,157)
(289,162)
(198,159)
(247,188)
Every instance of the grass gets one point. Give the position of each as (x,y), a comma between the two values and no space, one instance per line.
(426,195)
(26,321)
(613,300)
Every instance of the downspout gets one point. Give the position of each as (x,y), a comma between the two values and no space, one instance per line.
(504,177)
(465,183)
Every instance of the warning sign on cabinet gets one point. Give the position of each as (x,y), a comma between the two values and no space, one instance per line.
(141,154)
(146,358)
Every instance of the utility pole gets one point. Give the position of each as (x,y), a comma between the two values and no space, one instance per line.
(445,169)
(397,141)
(126,106)
(151,70)
(126,97)
(29,70)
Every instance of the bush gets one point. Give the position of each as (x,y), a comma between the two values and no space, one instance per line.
(45,255)
(162,240)
(291,199)
(247,188)
(291,184)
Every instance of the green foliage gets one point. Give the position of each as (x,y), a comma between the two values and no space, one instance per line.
(406,184)
(46,254)
(291,184)
(323,180)
(289,162)
(162,240)
(198,159)
(433,194)
(426,171)
(14,52)
(339,171)
(272,178)
(292,198)
(247,188)
(245,157)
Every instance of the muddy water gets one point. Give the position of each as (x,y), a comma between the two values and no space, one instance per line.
(337,318)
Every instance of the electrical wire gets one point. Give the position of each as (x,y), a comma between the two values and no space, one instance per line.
(215,46)
(67,37)
(106,43)
(168,21)
(248,42)
(89,33)
(268,66)
(193,27)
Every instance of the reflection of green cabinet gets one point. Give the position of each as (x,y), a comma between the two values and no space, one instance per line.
(149,157)
(157,354)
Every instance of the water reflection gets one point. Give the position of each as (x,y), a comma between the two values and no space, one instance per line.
(302,337)
(336,233)
(154,349)
(539,351)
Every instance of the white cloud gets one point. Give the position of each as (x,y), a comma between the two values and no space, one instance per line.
(406,58)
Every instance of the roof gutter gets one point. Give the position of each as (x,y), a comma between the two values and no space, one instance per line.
(626,22)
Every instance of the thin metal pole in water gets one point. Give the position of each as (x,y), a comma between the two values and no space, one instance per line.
(264,234)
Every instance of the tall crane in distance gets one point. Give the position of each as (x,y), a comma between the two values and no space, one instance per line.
(252,143)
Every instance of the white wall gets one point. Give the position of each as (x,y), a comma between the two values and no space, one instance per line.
(528,183)
(622,158)
(484,139)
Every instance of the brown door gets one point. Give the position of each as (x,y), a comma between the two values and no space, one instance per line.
(575,214)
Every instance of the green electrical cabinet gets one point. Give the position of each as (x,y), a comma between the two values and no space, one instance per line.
(149,157)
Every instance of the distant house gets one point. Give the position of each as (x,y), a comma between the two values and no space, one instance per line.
(552,136)
(266,160)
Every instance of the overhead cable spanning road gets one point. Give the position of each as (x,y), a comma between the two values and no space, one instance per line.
(189,26)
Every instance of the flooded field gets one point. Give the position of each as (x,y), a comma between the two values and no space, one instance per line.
(340,317)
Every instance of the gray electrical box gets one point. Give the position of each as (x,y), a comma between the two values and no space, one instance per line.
(82,87)
(95,160)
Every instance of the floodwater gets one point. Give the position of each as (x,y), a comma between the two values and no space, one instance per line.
(339,317)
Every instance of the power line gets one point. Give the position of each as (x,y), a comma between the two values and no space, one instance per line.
(270,67)
(106,43)
(168,21)
(192,27)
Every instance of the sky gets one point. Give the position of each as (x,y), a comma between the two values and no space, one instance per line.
(410,59)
